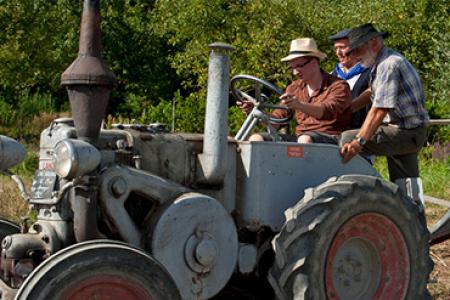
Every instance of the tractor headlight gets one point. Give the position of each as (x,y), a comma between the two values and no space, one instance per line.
(73,158)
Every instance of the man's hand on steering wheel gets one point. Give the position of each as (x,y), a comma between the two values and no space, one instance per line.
(245,106)
(247,101)
(249,92)
(289,100)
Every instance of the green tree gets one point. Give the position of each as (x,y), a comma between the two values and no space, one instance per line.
(261,30)
(137,56)
(37,39)
(159,49)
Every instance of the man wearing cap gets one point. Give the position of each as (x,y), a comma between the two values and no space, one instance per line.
(321,101)
(351,71)
(396,125)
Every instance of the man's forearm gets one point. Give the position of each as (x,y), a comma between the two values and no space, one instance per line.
(371,124)
(361,101)
(316,111)
(373,121)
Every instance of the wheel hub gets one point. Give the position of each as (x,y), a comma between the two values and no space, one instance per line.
(367,258)
(349,270)
(201,253)
(356,265)
(206,252)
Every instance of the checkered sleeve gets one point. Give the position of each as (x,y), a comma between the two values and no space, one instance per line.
(386,85)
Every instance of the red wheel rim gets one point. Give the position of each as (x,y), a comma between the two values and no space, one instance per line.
(368,257)
(105,287)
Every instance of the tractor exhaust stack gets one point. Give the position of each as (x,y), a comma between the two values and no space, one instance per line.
(88,79)
(213,158)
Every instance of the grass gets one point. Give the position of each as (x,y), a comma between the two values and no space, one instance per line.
(435,173)
(12,206)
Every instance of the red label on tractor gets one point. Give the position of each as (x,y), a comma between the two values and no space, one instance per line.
(295,151)
(46,165)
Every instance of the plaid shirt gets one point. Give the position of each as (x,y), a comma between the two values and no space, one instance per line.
(396,85)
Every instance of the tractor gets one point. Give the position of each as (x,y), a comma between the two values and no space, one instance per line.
(136,212)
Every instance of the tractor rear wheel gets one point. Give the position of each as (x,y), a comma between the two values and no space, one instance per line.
(7,228)
(99,269)
(352,237)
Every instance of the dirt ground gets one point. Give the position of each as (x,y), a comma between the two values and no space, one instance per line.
(439,285)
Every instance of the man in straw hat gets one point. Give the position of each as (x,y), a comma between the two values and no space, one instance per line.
(321,101)
(396,124)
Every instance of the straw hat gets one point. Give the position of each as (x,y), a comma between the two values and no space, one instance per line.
(303,47)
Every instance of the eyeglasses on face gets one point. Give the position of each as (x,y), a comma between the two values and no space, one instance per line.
(300,66)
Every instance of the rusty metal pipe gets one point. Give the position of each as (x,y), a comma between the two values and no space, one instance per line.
(88,79)
(90,32)
(84,207)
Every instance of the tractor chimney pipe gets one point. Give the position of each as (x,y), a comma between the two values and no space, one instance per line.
(88,79)
(213,158)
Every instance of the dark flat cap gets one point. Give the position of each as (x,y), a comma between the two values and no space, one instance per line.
(340,35)
(360,35)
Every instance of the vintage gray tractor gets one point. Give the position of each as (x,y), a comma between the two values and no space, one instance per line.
(135,213)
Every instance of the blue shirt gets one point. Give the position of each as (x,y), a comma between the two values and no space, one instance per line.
(396,85)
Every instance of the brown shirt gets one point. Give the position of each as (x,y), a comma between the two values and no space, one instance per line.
(334,95)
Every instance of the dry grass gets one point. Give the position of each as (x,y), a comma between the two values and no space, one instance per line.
(12,207)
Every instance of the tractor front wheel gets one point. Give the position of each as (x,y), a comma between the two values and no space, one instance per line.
(99,269)
(353,237)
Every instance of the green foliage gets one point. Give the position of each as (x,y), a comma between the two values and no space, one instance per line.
(189,113)
(380,165)
(438,73)
(16,118)
(434,172)
(435,175)
(28,166)
(440,110)
(159,47)
(37,40)
(137,56)
(261,30)
(235,120)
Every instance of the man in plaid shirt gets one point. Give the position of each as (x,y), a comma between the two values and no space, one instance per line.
(396,125)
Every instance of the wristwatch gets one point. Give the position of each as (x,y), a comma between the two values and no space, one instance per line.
(360,140)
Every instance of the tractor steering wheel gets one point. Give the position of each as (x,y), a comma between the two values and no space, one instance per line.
(252,92)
